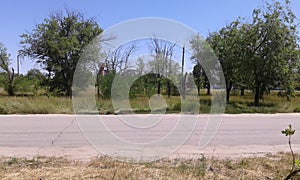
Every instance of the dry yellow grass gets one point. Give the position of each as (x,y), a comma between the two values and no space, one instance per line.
(269,167)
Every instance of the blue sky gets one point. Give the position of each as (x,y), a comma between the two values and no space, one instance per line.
(17,17)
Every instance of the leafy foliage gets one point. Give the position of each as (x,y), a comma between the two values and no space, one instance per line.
(289,131)
(227,46)
(8,82)
(261,54)
(57,44)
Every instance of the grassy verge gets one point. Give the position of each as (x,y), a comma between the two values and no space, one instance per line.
(271,103)
(269,167)
(35,105)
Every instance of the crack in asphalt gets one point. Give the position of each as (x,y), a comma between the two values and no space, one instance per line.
(61,132)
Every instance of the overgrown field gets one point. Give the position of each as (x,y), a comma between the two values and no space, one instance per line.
(35,105)
(269,167)
(271,103)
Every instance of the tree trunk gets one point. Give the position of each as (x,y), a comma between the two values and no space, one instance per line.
(257,95)
(69,90)
(10,88)
(169,88)
(288,94)
(98,86)
(242,91)
(198,89)
(208,89)
(228,89)
(207,85)
(183,85)
(158,85)
(261,93)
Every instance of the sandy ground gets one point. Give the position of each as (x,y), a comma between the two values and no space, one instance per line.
(88,153)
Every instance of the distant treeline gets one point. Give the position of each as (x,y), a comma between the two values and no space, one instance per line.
(259,53)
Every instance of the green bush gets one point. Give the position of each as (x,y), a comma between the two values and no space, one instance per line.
(297,109)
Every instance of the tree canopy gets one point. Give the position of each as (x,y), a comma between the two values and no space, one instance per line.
(57,44)
(9,73)
(261,54)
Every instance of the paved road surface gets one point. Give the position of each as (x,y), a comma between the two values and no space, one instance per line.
(59,135)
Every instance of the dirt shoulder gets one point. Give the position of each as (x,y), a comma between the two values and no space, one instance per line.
(87,153)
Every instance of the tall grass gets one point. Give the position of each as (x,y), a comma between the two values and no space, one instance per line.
(35,105)
(272,103)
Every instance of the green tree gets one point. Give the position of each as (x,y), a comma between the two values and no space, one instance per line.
(9,84)
(105,83)
(57,45)
(37,79)
(205,56)
(198,74)
(35,74)
(226,44)
(269,47)
(162,65)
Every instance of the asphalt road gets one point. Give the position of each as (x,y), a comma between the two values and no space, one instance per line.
(60,135)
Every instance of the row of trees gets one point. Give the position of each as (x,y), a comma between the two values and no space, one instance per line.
(156,73)
(33,82)
(260,53)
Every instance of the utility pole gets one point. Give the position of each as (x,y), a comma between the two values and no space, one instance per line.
(183,77)
(19,56)
(18,64)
